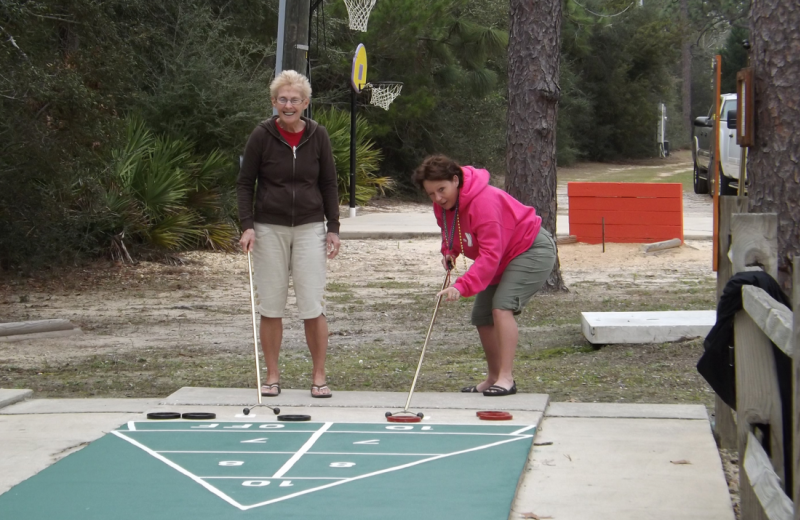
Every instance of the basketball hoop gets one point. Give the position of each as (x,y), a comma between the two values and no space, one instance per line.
(359,10)
(382,93)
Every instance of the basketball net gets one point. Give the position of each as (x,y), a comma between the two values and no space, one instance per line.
(382,94)
(359,10)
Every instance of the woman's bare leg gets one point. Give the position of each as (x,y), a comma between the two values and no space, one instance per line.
(507,334)
(317,339)
(271,333)
(492,350)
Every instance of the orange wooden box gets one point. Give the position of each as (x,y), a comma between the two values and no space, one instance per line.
(640,212)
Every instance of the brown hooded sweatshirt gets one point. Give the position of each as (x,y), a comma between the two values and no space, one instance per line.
(295,185)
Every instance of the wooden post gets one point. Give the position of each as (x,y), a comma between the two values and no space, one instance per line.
(33,327)
(796,357)
(755,242)
(715,154)
(765,498)
(724,416)
(757,392)
(728,206)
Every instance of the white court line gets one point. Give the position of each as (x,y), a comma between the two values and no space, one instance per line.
(366,432)
(389,470)
(132,426)
(262,477)
(307,446)
(174,466)
(307,453)
(522,430)
(228,452)
(209,430)
(411,432)
(405,432)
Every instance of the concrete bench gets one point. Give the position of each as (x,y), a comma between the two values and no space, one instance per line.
(645,327)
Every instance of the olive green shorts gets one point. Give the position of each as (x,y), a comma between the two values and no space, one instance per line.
(523,277)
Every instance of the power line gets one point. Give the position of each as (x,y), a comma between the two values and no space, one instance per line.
(604,15)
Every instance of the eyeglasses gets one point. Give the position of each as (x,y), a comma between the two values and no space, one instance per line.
(286,101)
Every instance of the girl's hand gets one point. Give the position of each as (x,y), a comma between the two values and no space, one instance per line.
(450,294)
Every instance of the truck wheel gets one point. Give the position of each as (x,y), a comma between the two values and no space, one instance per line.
(700,185)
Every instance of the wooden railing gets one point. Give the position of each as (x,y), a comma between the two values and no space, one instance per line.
(769,476)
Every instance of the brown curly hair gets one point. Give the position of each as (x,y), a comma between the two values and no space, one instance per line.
(437,168)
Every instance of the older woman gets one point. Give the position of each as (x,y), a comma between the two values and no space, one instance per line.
(286,191)
(513,257)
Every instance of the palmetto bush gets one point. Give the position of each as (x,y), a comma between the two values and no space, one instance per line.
(368,157)
(161,197)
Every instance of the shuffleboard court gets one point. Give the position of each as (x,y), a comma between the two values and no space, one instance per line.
(215,469)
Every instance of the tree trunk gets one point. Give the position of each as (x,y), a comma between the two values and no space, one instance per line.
(686,66)
(533,94)
(774,162)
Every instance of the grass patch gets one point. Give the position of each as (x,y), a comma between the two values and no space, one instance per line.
(337,287)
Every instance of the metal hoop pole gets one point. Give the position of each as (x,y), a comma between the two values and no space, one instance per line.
(255,332)
(427,337)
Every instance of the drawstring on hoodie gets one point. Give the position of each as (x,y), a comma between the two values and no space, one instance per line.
(449,235)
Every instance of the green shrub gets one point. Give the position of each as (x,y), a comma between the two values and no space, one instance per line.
(161,197)
(368,158)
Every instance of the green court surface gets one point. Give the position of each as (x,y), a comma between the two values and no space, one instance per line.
(231,470)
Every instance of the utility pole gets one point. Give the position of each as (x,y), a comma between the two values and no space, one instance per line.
(293,35)
(294,17)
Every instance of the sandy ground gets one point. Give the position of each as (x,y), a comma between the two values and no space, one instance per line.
(206,301)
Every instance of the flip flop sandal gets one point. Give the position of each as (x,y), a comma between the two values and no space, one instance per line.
(267,390)
(497,391)
(319,389)
(470,389)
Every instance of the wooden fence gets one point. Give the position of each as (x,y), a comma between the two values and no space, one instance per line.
(769,474)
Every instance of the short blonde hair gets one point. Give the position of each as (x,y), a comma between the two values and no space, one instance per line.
(292,79)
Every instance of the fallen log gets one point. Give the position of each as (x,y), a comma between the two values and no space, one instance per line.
(31,327)
(658,246)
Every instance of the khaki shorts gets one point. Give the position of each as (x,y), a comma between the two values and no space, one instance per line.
(524,276)
(281,251)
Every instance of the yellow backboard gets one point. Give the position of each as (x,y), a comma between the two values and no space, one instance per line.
(358,77)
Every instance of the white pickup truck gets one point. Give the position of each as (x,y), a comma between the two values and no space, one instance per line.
(703,151)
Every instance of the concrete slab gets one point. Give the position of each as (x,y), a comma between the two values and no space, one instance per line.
(389,225)
(624,469)
(33,442)
(413,225)
(81,406)
(9,396)
(645,327)
(407,225)
(628,410)
(598,468)
(697,227)
(384,400)
(35,434)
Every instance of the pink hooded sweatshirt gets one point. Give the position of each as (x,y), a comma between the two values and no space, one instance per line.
(495,228)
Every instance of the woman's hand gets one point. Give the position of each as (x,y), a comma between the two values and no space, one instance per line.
(448,262)
(247,240)
(450,294)
(332,244)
